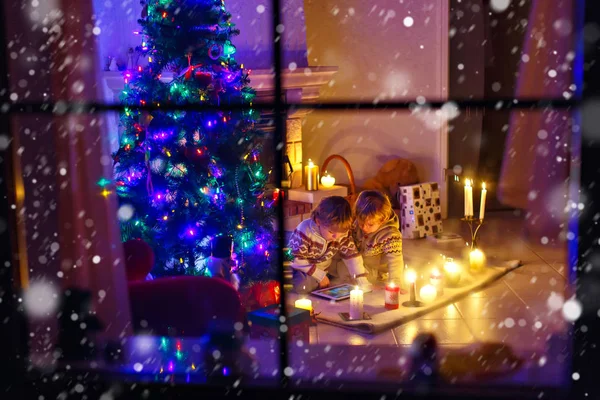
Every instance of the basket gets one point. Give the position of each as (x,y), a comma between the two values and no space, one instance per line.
(352,195)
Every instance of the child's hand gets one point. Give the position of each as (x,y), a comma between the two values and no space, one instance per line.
(324,283)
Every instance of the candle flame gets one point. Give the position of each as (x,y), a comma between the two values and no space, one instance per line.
(483,185)
(435,272)
(411,276)
(392,285)
(467,182)
(310,163)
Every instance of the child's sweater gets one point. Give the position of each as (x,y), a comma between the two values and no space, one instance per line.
(382,250)
(313,254)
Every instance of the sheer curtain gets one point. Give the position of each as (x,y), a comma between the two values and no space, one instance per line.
(535,169)
(69,225)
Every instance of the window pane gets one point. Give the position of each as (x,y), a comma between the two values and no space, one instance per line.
(504,313)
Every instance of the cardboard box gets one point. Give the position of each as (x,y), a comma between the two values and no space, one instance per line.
(420,210)
(264,324)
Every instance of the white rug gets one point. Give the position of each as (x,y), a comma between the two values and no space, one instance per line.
(382,319)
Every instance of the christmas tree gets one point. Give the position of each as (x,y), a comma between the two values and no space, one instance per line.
(191,176)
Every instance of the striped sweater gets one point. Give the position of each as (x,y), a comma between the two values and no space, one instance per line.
(313,254)
(382,250)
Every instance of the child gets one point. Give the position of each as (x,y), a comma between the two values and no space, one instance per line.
(378,238)
(318,239)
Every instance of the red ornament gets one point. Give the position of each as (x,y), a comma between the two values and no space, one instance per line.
(203,78)
(139,259)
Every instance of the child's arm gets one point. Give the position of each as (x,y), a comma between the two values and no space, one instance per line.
(354,262)
(300,244)
(391,245)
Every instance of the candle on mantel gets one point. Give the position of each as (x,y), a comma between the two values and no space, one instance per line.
(468,199)
(428,294)
(304,304)
(356,304)
(452,272)
(476,260)
(392,292)
(436,280)
(327,181)
(411,278)
(311,171)
(482,204)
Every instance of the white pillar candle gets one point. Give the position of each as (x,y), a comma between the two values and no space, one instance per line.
(482,204)
(327,181)
(468,198)
(428,294)
(304,304)
(356,304)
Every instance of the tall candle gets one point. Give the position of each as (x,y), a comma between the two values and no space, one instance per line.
(411,278)
(392,292)
(482,204)
(468,198)
(304,304)
(311,171)
(356,304)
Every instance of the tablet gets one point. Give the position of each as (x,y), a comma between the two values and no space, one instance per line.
(335,293)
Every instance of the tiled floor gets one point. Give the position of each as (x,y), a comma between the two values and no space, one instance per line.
(514,310)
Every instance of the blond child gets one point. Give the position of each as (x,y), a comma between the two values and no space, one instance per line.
(317,240)
(378,238)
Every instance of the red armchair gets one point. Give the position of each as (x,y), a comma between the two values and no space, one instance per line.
(183,305)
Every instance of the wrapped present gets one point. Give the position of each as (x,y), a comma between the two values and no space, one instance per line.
(264,324)
(259,295)
(420,210)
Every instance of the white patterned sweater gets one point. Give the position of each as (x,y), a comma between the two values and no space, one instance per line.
(382,250)
(313,254)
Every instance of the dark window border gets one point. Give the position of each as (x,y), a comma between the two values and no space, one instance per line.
(585,347)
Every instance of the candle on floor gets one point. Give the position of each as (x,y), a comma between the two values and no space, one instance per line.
(482,204)
(411,278)
(436,280)
(476,260)
(452,272)
(428,294)
(468,199)
(304,304)
(311,171)
(356,304)
(327,181)
(392,292)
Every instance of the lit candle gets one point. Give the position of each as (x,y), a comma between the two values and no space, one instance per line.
(468,199)
(311,171)
(304,304)
(482,204)
(452,272)
(328,181)
(356,304)
(392,292)
(436,280)
(476,260)
(411,278)
(428,294)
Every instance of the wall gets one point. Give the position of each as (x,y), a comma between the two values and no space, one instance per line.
(118,20)
(379,58)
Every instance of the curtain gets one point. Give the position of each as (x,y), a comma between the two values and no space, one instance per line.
(70,227)
(535,168)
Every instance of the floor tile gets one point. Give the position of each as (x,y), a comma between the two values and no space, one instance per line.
(448,312)
(485,307)
(329,334)
(446,331)
(498,290)
(516,332)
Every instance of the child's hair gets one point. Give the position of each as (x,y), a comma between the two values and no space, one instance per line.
(334,211)
(372,204)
